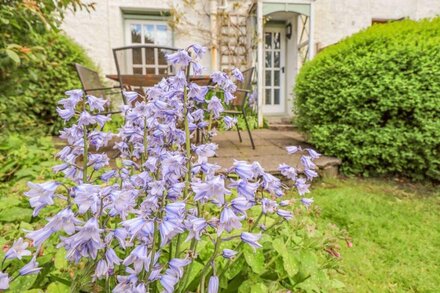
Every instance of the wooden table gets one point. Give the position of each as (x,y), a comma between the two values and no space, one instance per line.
(149,80)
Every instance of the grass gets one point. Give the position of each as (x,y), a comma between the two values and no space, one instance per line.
(394,229)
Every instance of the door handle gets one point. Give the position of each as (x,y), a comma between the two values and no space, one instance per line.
(282,69)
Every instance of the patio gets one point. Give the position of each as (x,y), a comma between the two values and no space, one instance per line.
(270,150)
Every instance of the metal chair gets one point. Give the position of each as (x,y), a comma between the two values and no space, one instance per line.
(91,83)
(147,60)
(244,89)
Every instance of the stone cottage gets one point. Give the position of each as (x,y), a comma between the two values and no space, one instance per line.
(275,36)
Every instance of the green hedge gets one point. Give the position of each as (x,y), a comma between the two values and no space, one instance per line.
(28,95)
(373,100)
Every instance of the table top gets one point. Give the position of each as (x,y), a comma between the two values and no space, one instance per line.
(149,80)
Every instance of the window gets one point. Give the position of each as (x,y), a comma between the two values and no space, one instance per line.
(147,60)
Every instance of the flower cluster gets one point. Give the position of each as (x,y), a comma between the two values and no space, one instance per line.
(137,220)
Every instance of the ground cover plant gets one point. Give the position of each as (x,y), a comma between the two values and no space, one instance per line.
(159,218)
(393,228)
(373,100)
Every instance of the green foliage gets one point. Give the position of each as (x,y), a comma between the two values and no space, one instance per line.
(394,230)
(25,157)
(28,97)
(373,100)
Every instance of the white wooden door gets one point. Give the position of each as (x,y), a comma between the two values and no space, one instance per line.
(274,77)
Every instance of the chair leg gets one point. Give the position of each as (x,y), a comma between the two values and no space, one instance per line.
(249,130)
(238,131)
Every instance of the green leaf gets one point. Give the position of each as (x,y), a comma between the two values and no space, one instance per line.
(22,283)
(255,259)
(57,288)
(14,56)
(289,261)
(60,259)
(235,269)
(16,214)
(259,288)
(245,286)
(196,268)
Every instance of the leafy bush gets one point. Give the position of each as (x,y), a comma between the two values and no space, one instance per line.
(373,100)
(29,94)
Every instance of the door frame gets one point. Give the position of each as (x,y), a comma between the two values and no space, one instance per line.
(281,108)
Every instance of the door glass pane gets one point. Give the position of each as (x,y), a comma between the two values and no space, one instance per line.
(137,56)
(135,33)
(268,40)
(276,96)
(149,34)
(276,59)
(150,70)
(162,35)
(268,97)
(276,78)
(268,78)
(268,59)
(276,40)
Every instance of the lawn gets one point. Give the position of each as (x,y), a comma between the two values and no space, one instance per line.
(394,230)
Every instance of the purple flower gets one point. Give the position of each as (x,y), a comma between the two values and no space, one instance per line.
(243,169)
(213,188)
(206,150)
(112,258)
(177,264)
(86,119)
(75,94)
(313,154)
(101,270)
(195,227)
(285,214)
(293,149)
(302,186)
(138,257)
(310,174)
(18,250)
(228,97)
(306,201)
(168,229)
(41,195)
(288,171)
(98,161)
(307,162)
(245,188)
(39,236)
(213,284)
(30,268)
(229,253)
(241,204)
(66,114)
(130,96)
(228,221)
(197,93)
(64,220)
(169,280)
(251,239)
(237,74)
(175,210)
(87,197)
(215,107)
(198,50)
(229,121)
(4,281)
(96,103)
(268,206)
(181,57)
(272,184)
(219,77)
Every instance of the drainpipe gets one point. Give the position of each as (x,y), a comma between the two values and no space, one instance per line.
(260,59)
(213,9)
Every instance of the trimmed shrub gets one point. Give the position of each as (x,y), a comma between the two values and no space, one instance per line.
(373,100)
(28,95)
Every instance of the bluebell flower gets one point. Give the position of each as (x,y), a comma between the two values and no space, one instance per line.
(18,249)
(313,154)
(169,280)
(213,284)
(293,149)
(243,169)
(302,186)
(197,93)
(4,281)
(257,169)
(181,57)
(168,229)
(215,107)
(307,201)
(99,139)
(130,96)
(157,187)
(229,121)
(272,184)
(64,220)
(122,202)
(41,195)
(198,50)
(112,258)
(228,97)
(268,206)
(229,253)
(213,188)
(138,257)
(310,174)
(102,119)
(177,265)
(96,103)
(76,94)
(228,221)
(307,162)
(245,188)
(197,68)
(195,227)
(206,150)
(108,175)
(288,171)
(241,204)
(251,239)
(30,268)
(133,226)
(219,77)
(175,210)
(87,198)
(101,270)
(237,74)
(66,114)
(98,161)
(85,118)
(285,214)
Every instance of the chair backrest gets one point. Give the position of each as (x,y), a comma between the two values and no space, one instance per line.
(90,80)
(143,59)
(244,88)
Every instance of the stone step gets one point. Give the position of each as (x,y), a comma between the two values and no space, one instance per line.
(284,127)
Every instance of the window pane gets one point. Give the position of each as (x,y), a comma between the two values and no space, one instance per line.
(150,71)
(276,40)
(268,78)
(135,33)
(149,34)
(268,59)
(163,70)
(276,78)
(137,70)
(268,40)
(268,97)
(276,96)
(149,56)
(276,59)
(137,56)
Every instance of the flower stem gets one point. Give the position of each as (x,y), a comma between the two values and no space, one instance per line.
(85,155)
